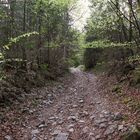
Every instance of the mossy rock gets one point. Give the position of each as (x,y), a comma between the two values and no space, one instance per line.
(136,78)
(135,104)
(127,100)
(117,89)
(133,134)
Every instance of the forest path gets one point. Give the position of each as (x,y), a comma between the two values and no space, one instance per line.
(74,108)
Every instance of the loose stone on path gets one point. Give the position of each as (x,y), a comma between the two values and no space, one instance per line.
(62,136)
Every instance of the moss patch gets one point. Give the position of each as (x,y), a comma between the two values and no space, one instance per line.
(133,134)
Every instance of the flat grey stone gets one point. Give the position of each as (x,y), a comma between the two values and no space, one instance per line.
(98,137)
(103,125)
(45,138)
(56,132)
(99,102)
(71,130)
(101,116)
(117,116)
(8,137)
(91,134)
(92,117)
(36,131)
(81,121)
(85,113)
(75,106)
(62,136)
(110,130)
(70,126)
(100,121)
(34,138)
(72,118)
(81,101)
(42,126)
(120,127)
(54,123)
(60,122)
(85,130)
(52,118)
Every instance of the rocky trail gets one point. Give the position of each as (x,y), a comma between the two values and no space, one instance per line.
(73,108)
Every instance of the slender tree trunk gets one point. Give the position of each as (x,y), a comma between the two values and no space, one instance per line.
(124,31)
(40,33)
(24,30)
(24,17)
(119,36)
(12,15)
(130,24)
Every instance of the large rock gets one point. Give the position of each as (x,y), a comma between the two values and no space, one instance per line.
(133,134)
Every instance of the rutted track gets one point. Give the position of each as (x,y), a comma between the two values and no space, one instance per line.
(72,109)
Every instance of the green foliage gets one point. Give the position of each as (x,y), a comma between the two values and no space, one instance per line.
(76,59)
(44,67)
(108,44)
(2,75)
(102,24)
(134,58)
(77,56)
(1,56)
(112,20)
(18,39)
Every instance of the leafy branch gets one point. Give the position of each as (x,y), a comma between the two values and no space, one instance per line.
(17,39)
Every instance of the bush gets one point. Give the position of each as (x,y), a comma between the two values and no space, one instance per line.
(91,57)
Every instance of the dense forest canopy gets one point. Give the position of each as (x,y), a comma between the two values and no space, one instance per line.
(31,26)
(114,20)
(35,23)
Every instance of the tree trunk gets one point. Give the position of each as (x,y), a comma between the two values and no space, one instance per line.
(24,30)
